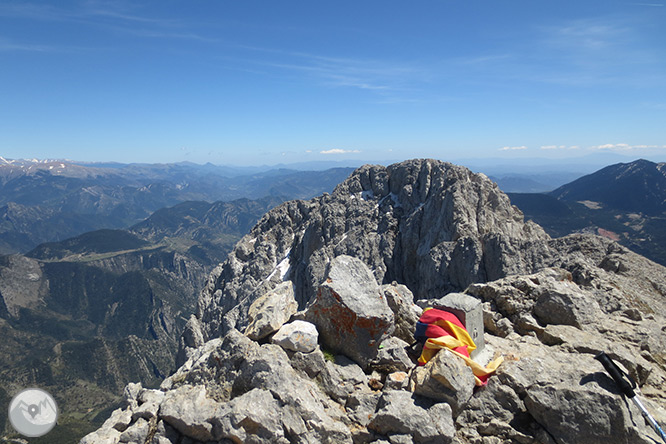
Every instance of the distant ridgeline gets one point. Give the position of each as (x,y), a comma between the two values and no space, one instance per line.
(45,201)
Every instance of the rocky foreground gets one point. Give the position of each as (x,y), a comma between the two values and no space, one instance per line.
(301,335)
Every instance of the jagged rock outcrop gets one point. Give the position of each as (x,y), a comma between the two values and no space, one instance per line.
(432,226)
(550,305)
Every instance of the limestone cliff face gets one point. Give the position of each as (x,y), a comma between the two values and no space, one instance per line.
(433,226)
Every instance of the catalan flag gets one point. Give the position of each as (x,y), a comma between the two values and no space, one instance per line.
(439,329)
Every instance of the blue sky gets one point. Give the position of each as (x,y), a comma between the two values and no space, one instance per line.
(265,82)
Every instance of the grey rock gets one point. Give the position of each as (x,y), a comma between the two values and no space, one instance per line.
(432,226)
(189,411)
(549,305)
(165,434)
(341,378)
(563,303)
(361,406)
(310,364)
(268,313)
(137,432)
(253,417)
(401,439)
(241,365)
(405,312)
(399,414)
(582,416)
(392,356)
(191,338)
(396,381)
(102,436)
(540,392)
(149,404)
(119,420)
(445,377)
(299,336)
(131,394)
(350,311)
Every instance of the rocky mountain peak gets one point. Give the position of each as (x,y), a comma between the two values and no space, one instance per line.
(433,226)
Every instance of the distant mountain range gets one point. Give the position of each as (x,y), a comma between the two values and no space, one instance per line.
(625,202)
(44,201)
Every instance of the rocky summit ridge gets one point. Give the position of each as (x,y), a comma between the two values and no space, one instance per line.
(350,266)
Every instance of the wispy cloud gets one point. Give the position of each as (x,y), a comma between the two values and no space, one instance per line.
(513,148)
(339,151)
(8,45)
(596,51)
(625,147)
(115,16)
(383,77)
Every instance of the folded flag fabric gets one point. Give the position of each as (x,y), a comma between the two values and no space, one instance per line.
(439,329)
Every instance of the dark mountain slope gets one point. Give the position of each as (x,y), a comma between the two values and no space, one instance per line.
(638,186)
(624,202)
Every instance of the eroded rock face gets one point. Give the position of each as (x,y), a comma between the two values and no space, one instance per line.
(549,307)
(431,226)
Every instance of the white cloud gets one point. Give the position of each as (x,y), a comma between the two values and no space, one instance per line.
(625,147)
(513,148)
(338,151)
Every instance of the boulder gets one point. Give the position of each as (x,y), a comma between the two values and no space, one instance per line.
(190,411)
(310,364)
(350,311)
(102,436)
(392,356)
(119,420)
(149,404)
(341,378)
(445,377)
(584,416)
(253,417)
(137,432)
(268,313)
(299,336)
(399,413)
(405,312)
(396,381)
(562,302)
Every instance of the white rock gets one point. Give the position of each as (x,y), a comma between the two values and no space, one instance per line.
(300,336)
